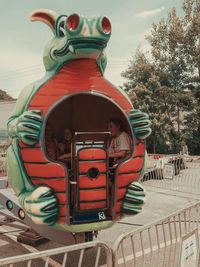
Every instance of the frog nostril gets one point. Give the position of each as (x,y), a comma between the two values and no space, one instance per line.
(73,22)
(106,25)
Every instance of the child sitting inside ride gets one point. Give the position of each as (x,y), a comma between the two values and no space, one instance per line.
(51,143)
(64,147)
(121,142)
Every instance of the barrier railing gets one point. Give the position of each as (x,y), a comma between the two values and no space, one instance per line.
(86,254)
(160,243)
(185,177)
(3,169)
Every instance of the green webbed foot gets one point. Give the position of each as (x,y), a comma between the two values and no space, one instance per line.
(140,123)
(41,205)
(134,199)
(28,127)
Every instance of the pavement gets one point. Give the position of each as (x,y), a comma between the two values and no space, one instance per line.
(160,203)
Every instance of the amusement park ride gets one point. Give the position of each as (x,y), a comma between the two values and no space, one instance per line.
(66,202)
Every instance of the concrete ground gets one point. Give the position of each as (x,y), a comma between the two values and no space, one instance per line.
(159,204)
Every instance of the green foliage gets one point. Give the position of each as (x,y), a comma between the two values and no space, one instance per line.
(166,85)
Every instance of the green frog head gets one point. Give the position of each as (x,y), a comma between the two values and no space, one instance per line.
(75,37)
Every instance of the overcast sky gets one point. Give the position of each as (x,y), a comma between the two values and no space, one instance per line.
(22,42)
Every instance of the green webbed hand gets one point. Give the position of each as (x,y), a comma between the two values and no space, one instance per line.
(28,127)
(41,205)
(134,199)
(140,123)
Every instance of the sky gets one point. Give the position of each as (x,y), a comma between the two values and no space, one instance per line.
(22,42)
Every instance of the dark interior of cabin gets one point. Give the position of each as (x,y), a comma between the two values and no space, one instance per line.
(87,113)
(84,113)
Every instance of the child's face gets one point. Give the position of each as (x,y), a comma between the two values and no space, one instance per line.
(113,128)
(67,134)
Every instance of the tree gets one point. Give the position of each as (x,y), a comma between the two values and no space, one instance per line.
(191,24)
(166,84)
(191,49)
(148,95)
(167,42)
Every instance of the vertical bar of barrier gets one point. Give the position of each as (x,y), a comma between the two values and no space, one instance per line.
(198,215)
(98,257)
(64,259)
(157,237)
(180,230)
(170,231)
(155,174)
(176,240)
(185,222)
(123,254)
(133,249)
(158,242)
(150,245)
(142,247)
(171,242)
(81,257)
(47,261)
(164,236)
(189,220)
(175,230)
(165,242)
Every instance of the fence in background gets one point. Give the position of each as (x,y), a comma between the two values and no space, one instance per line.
(186,176)
(3,169)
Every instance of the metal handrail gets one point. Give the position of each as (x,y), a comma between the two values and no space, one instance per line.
(62,250)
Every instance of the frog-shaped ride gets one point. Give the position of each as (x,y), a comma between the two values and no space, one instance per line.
(80,198)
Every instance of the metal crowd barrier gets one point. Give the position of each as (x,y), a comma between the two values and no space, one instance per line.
(92,254)
(161,243)
(3,169)
(186,177)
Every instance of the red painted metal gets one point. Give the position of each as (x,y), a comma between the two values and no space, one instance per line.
(91,154)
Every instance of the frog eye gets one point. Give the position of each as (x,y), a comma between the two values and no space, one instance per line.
(62,30)
(105,25)
(73,22)
(60,26)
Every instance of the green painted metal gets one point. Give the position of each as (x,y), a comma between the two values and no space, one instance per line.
(140,124)
(134,199)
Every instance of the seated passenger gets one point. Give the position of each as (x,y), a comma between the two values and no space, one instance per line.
(50,143)
(64,147)
(121,142)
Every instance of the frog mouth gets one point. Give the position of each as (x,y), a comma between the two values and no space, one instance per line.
(79,43)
